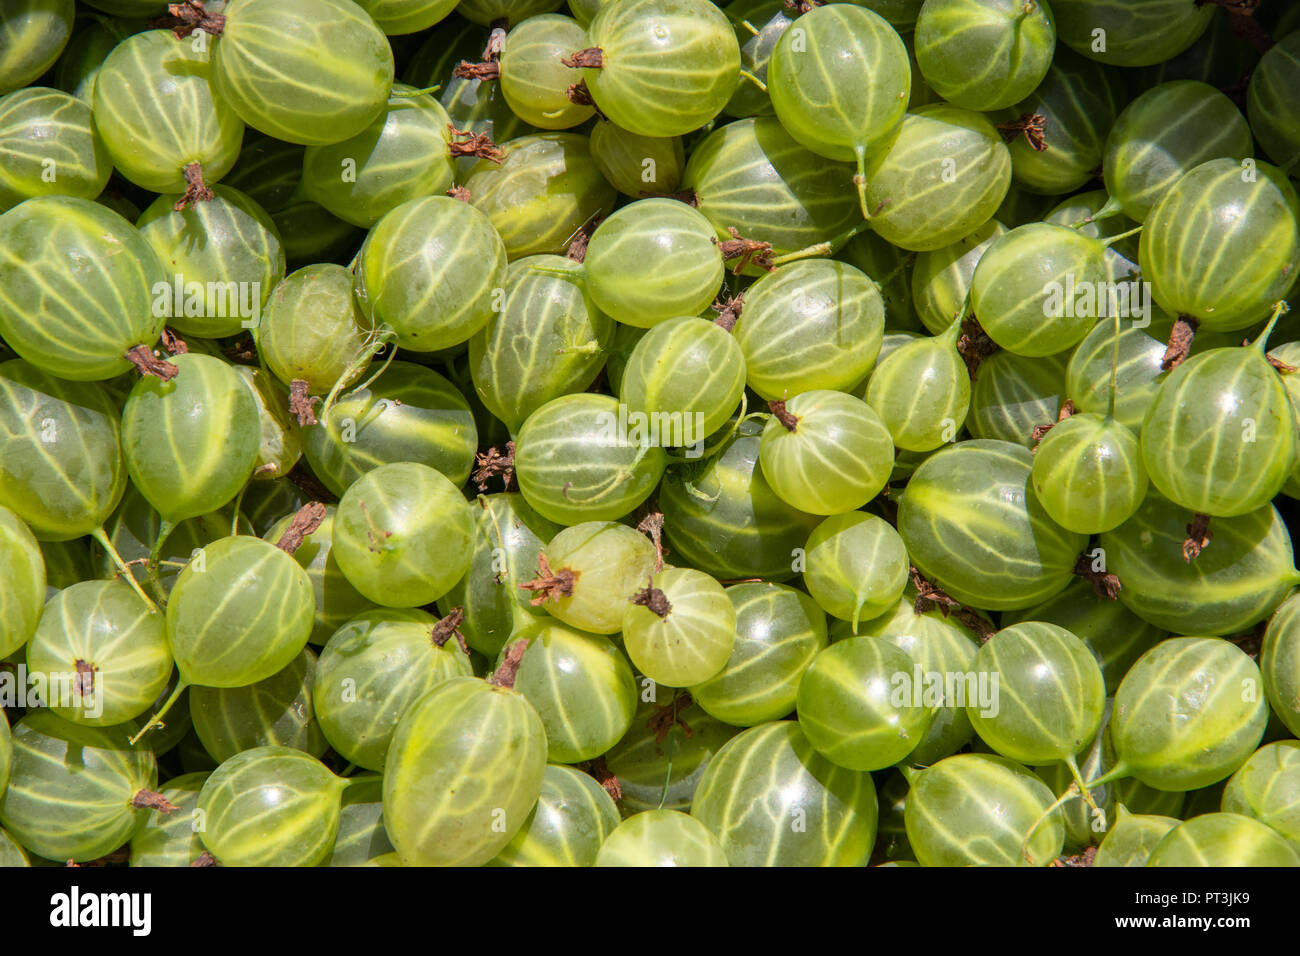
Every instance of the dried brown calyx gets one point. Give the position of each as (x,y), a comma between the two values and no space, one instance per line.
(204,859)
(1198,537)
(601,773)
(803,6)
(196,190)
(784,415)
(592,58)
(1067,409)
(173,343)
(1085,858)
(302,479)
(473,144)
(150,365)
(929,597)
(243,349)
(459,192)
(490,70)
(1277,363)
(152,800)
(302,406)
(577,250)
(974,345)
(449,627)
(580,95)
(1030,125)
(728,310)
(550,585)
(653,525)
(492,464)
(1180,342)
(84,682)
(184,18)
(306,520)
(669,715)
(1241,14)
(504,676)
(652,599)
(745,251)
(1105,584)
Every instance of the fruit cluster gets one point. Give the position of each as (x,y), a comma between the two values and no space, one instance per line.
(662,432)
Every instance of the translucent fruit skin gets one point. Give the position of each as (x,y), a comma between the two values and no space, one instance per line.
(1223,839)
(855,566)
(1131,838)
(922,391)
(1139,33)
(22,568)
(534,81)
(1279,660)
(69,138)
(692,641)
(661,838)
(1089,475)
(1267,787)
(573,818)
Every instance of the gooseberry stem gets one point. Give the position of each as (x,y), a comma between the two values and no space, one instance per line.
(821,248)
(377,341)
(156,720)
(1084,789)
(1118,772)
(1114,371)
(102,538)
(750,27)
(1123,235)
(1279,310)
(1070,793)
(753,79)
(363,778)
(860,181)
(1111,208)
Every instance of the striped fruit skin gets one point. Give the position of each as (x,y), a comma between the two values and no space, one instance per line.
(657,773)
(1165,133)
(580,685)
(70,788)
(270,806)
(572,819)
(1089,475)
(542,193)
(839,82)
(1050,693)
(1137,32)
(32,35)
(1270,101)
(464,771)
(689,366)
(1078,101)
(692,642)
(848,706)
(856,566)
(971,522)
(508,535)
(135,526)
(1188,713)
(724,518)
(1138,374)
(1267,787)
(311,328)
(78,65)
(670,65)
(836,460)
(430,270)
(157,113)
(280,444)
(1279,660)
(940,179)
(891,267)
(241,619)
(1220,434)
(242,246)
(1186,248)
(814,324)
(485,12)
(1223,839)
(976,810)
(11,854)
(661,838)
(653,260)
(1131,838)
(190,444)
(1012,46)
(402,535)
(771,18)
(311,72)
(534,81)
(1013,393)
(768,777)
(372,671)
(936,644)
(400,17)
(1121,257)
(1288,353)
(40,126)
(573,466)
(636,165)
(1011,289)
(779,631)
(276,711)
(76,320)
(921,391)
(362,837)
(1234,583)
(610,562)
(401,155)
(941,277)
(755,176)
(171,839)
(1114,634)
(105,625)
(65,487)
(548,339)
(22,568)
(409,414)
